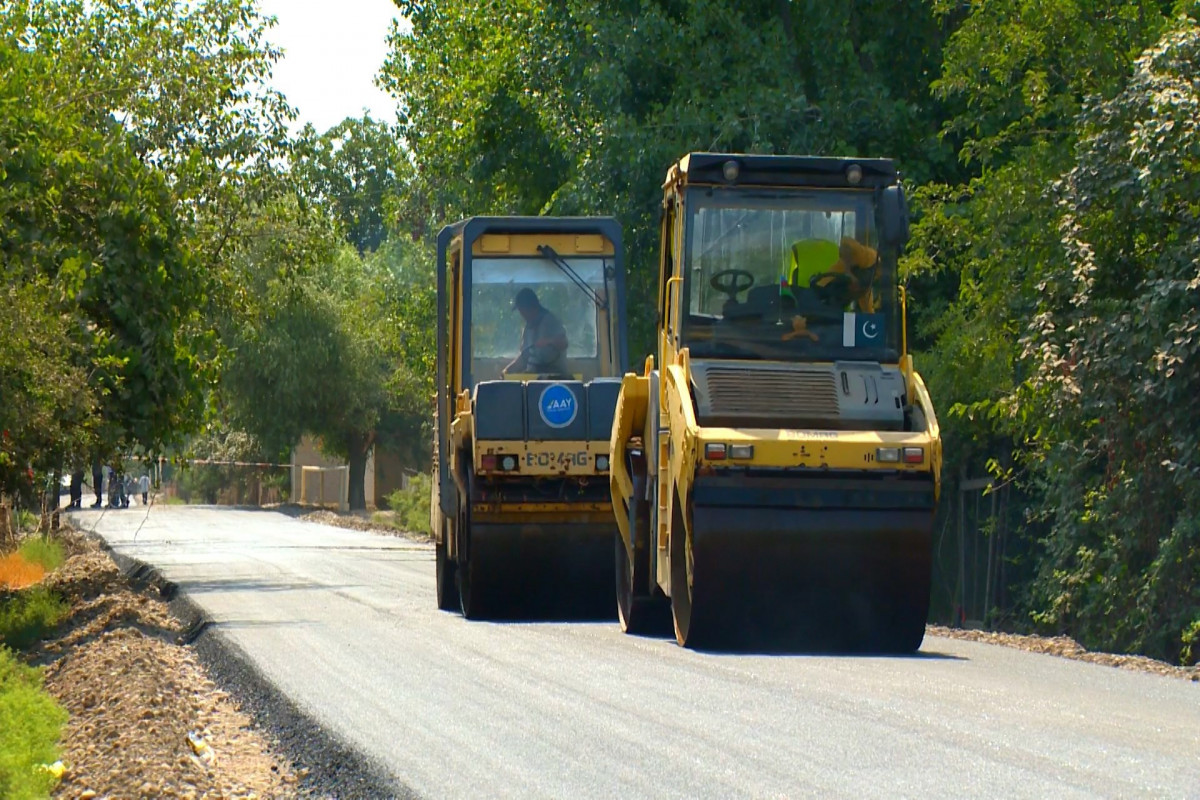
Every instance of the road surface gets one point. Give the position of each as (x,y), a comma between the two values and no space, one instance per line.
(345,624)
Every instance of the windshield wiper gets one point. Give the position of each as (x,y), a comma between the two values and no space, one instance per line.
(554,258)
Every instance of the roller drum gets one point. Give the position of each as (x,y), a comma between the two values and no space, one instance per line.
(537,571)
(808,579)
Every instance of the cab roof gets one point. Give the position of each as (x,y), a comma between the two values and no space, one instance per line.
(473,227)
(781,170)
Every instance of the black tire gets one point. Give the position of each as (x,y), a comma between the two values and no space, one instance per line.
(639,611)
(474,593)
(472,571)
(447,590)
(903,615)
(687,632)
(462,572)
(905,639)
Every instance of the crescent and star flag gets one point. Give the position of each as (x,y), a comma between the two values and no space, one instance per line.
(863,330)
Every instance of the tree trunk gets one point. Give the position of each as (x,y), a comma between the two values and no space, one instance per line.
(359,447)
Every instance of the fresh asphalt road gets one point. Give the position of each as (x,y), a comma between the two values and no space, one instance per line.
(345,624)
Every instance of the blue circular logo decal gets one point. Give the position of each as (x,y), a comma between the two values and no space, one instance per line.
(557,406)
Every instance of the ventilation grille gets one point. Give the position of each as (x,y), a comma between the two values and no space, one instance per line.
(727,394)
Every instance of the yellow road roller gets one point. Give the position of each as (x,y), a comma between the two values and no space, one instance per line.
(530,349)
(775,472)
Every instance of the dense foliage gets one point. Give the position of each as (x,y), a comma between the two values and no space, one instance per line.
(1114,349)
(316,348)
(131,133)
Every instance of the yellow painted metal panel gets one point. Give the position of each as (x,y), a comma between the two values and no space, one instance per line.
(589,243)
(493,243)
(629,420)
(818,449)
(526,244)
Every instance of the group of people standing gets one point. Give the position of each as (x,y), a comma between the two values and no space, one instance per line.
(120,488)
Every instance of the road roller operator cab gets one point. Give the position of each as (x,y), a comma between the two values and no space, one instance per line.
(775,471)
(530,350)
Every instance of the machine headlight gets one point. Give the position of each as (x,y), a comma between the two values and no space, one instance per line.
(743,452)
(602,463)
(888,455)
(508,463)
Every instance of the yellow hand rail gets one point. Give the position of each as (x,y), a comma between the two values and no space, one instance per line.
(673,307)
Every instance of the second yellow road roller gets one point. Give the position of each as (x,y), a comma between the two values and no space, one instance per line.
(776,469)
(530,352)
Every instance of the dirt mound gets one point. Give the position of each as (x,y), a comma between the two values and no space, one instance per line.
(145,719)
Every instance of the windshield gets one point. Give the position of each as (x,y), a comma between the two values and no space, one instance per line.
(497,328)
(787,275)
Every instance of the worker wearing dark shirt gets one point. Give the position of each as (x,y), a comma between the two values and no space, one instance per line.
(544,340)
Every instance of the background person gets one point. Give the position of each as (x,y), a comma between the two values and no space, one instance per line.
(97,483)
(76,489)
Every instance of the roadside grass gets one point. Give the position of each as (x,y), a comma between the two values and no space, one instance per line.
(30,720)
(42,550)
(410,506)
(30,727)
(27,615)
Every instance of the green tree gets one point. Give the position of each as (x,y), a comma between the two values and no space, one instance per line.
(354,169)
(187,81)
(1115,346)
(101,283)
(404,301)
(1019,73)
(132,134)
(318,350)
(47,409)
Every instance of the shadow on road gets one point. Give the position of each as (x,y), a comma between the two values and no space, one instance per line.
(239,624)
(564,611)
(799,651)
(195,587)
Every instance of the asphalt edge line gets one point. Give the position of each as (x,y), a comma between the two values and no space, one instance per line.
(335,769)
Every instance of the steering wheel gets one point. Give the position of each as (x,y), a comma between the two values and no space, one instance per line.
(739,280)
(838,289)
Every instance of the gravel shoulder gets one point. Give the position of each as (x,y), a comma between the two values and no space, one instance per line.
(373,522)
(146,720)
(1066,647)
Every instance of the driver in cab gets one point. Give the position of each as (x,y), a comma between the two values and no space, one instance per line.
(544,340)
(820,264)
